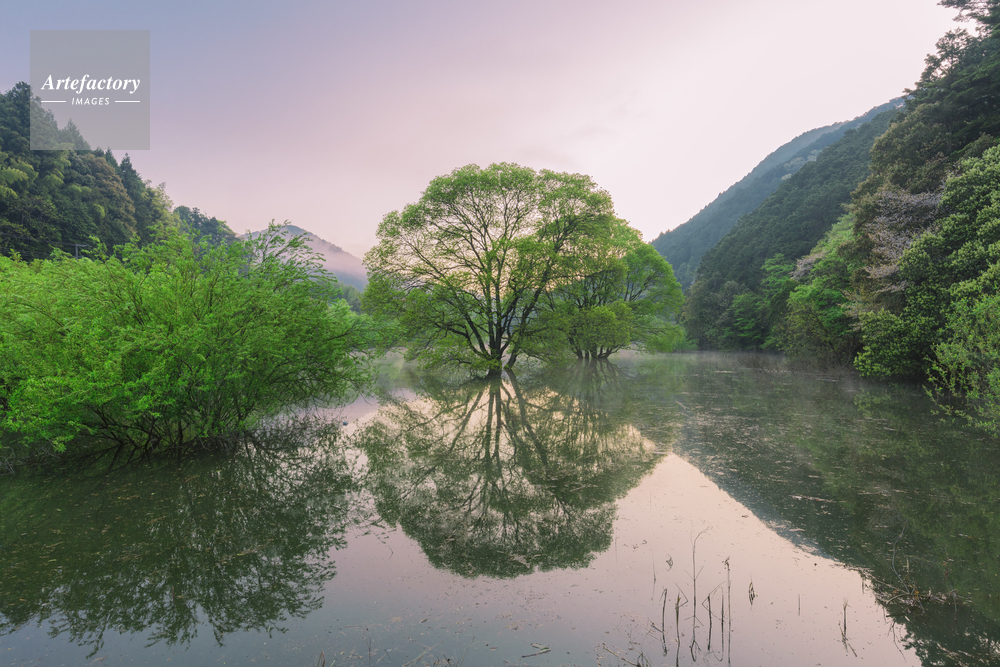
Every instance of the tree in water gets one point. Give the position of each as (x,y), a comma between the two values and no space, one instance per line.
(463,271)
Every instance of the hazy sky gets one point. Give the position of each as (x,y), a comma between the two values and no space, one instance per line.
(331,114)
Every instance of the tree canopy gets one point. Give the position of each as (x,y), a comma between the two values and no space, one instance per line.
(625,294)
(466,270)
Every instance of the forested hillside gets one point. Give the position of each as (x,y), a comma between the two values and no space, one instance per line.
(727,307)
(906,283)
(60,199)
(927,226)
(684,246)
(792,219)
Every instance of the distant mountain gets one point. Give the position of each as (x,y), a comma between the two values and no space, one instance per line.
(348,268)
(685,245)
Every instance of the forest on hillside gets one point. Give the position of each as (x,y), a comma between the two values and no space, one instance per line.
(884,253)
(685,245)
(64,199)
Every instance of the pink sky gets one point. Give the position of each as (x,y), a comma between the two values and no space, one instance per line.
(331,114)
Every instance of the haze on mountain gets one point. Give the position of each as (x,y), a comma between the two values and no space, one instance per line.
(348,268)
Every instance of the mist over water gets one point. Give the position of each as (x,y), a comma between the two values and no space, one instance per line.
(682,509)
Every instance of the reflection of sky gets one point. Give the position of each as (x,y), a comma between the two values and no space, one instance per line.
(795,620)
(388,597)
(331,114)
(612,603)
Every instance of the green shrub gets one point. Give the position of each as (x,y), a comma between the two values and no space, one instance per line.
(169,347)
(965,374)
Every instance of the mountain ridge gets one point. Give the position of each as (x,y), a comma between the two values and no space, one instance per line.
(685,245)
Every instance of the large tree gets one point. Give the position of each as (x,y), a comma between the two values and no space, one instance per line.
(463,270)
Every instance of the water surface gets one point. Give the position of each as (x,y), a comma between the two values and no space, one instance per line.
(686,509)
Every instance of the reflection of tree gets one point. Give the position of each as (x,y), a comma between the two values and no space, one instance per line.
(236,544)
(500,477)
(597,384)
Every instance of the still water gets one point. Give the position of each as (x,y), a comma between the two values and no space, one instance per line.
(675,510)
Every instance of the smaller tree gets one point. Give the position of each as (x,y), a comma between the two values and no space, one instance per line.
(625,294)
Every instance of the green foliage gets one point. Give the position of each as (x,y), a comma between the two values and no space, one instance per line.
(728,316)
(816,327)
(200,225)
(352,295)
(967,363)
(984,12)
(651,289)
(498,262)
(171,346)
(597,331)
(749,323)
(901,219)
(891,346)
(9,175)
(151,205)
(626,294)
(952,261)
(708,315)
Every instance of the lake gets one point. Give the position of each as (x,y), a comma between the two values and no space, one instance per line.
(688,509)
